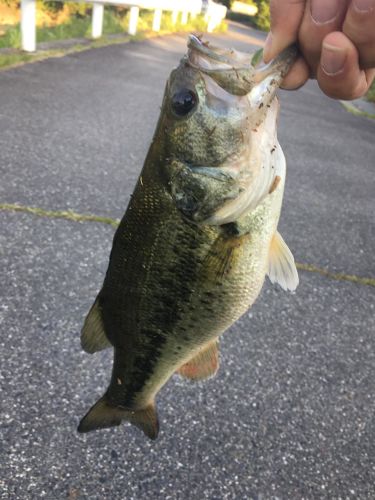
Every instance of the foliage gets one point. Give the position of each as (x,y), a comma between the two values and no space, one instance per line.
(262,20)
(12,59)
(79,9)
(249,2)
(263,17)
(10,3)
(12,37)
(227,3)
(52,6)
(75,28)
(115,21)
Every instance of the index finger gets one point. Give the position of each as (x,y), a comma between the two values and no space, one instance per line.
(286,18)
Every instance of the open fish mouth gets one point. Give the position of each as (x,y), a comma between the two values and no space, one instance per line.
(206,56)
(233,70)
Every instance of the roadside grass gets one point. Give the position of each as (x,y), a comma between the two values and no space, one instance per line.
(11,37)
(114,23)
(14,59)
(355,111)
(18,57)
(371,93)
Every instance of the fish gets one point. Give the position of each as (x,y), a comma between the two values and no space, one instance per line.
(199,235)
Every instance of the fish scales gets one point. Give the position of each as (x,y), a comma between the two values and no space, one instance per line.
(198,237)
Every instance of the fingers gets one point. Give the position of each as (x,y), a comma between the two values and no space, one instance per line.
(286,17)
(321,17)
(339,74)
(297,76)
(359,26)
(337,42)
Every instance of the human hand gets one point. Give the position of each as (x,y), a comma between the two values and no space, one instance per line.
(336,40)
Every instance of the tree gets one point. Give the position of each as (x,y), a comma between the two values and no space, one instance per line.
(263,18)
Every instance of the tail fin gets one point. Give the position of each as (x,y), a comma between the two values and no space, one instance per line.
(103,415)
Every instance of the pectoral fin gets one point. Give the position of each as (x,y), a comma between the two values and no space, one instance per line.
(93,337)
(282,268)
(103,415)
(223,255)
(204,364)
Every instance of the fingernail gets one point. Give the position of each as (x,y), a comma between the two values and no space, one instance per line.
(364,5)
(267,47)
(324,12)
(333,59)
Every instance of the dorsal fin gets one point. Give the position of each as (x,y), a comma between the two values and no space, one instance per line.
(282,268)
(103,415)
(93,337)
(204,364)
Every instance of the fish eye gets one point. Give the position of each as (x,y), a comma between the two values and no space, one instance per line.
(184,101)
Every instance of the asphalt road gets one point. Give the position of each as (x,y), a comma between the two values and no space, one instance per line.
(291,413)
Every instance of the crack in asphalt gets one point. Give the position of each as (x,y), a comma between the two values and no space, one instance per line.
(59,214)
(354,110)
(76,217)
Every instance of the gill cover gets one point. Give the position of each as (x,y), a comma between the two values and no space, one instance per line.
(223,144)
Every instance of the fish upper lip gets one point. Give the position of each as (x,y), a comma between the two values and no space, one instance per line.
(236,61)
(231,59)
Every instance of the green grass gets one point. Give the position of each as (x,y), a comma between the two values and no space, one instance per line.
(18,58)
(76,28)
(115,22)
(11,38)
(15,59)
(355,111)
(260,21)
(371,93)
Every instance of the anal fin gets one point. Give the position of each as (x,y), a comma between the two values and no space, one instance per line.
(93,337)
(103,415)
(281,267)
(203,365)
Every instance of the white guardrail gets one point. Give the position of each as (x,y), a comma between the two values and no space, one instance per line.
(214,14)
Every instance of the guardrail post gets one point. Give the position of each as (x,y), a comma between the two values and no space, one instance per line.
(174,16)
(133,20)
(211,24)
(97,20)
(28,22)
(157,20)
(184,17)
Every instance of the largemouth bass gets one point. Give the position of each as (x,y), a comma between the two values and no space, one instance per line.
(199,235)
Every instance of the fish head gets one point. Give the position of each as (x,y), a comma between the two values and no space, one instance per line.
(219,123)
